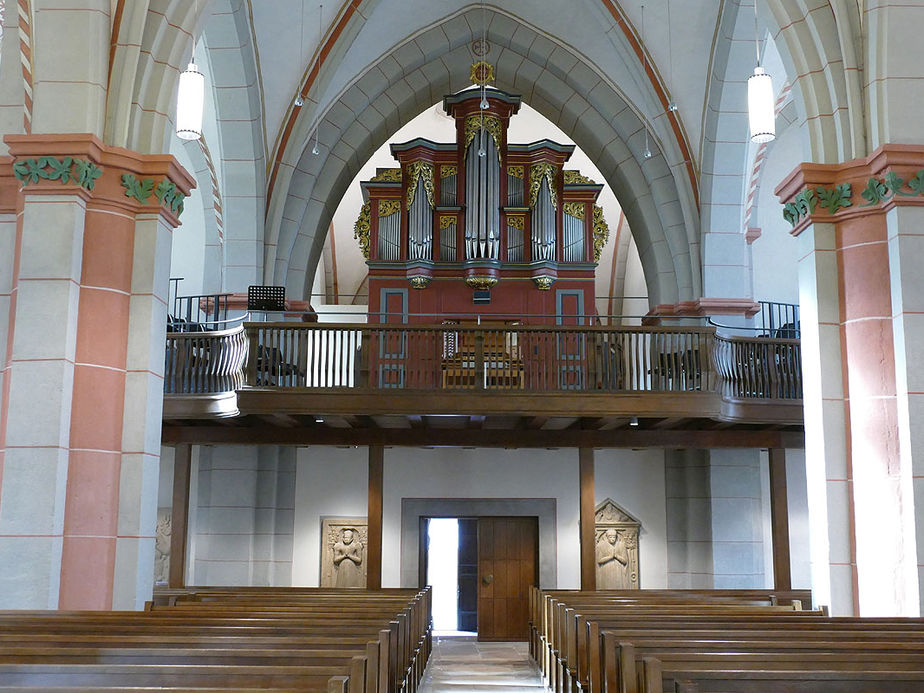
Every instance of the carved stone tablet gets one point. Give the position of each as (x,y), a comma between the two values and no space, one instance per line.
(343,551)
(162,546)
(616,547)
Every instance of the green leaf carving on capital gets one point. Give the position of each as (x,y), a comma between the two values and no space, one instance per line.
(875,193)
(791,213)
(916,183)
(168,194)
(31,171)
(835,198)
(805,202)
(86,173)
(138,189)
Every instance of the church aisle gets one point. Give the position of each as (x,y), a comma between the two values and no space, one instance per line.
(464,664)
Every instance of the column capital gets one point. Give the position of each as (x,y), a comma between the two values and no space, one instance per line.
(892,175)
(81,164)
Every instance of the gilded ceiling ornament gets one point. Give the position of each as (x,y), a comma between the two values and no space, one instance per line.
(574,209)
(389,207)
(362,228)
(387,175)
(491,123)
(414,172)
(537,172)
(575,178)
(601,232)
(446,222)
(516,222)
(482,72)
(515,171)
(446,171)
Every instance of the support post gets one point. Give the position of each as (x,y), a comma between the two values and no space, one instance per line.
(180,521)
(779,520)
(587,522)
(374,545)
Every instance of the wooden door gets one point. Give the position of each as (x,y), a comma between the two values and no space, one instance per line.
(468,574)
(508,564)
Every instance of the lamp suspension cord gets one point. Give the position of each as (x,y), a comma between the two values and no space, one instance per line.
(756,35)
(317,135)
(670,54)
(644,77)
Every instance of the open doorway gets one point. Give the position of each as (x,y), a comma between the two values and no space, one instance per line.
(480,570)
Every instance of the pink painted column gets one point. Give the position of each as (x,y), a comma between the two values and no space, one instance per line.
(856,420)
(81,410)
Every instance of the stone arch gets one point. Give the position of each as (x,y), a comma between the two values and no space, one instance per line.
(553,78)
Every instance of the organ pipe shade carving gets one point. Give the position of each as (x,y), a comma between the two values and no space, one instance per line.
(482,199)
(419,171)
(420,217)
(388,175)
(537,173)
(473,124)
(362,228)
(601,232)
(575,209)
(389,207)
(543,222)
(575,178)
(446,171)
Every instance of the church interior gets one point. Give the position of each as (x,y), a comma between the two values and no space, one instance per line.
(523,320)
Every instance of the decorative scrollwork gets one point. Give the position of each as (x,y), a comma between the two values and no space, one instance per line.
(481,283)
(420,282)
(389,207)
(543,282)
(575,178)
(537,172)
(446,222)
(517,222)
(482,72)
(515,172)
(446,171)
(414,172)
(574,209)
(387,175)
(601,232)
(491,123)
(362,229)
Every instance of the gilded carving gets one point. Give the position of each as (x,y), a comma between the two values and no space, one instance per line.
(616,547)
(491,123)
(481,282)
(446,222)
(414,171)
(601,232)
(537,172)
(574,209)
(515,172)
(420,282)
(343,552)
(389,207)
(446,171)
(543,282)
(575,178)
(387,175)
(363,228)
(482,72)
(517,222)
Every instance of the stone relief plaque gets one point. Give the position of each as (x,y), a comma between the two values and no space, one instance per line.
(162,546)
(343,551)
(616,547)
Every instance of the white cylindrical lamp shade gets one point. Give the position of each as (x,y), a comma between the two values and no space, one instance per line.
(189,104)
(761,106)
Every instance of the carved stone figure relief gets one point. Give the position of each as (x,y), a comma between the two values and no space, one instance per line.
(343,551)
(162,546)
(616,547)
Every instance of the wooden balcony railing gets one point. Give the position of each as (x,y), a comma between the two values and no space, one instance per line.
(759,367)
(454,357)
(200,363)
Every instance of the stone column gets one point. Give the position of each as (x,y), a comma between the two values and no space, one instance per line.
(851,220)
(81,410)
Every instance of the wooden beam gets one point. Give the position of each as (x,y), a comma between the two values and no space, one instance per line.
(374,545)
(488,438)
(180,520)
(779,520)
(587,521)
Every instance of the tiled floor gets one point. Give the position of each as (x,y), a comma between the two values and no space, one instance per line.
(464,664)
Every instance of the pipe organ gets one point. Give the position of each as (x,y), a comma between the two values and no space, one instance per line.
(481,220)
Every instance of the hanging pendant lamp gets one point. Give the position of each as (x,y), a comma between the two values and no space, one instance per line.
(761,107)
(190,98)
